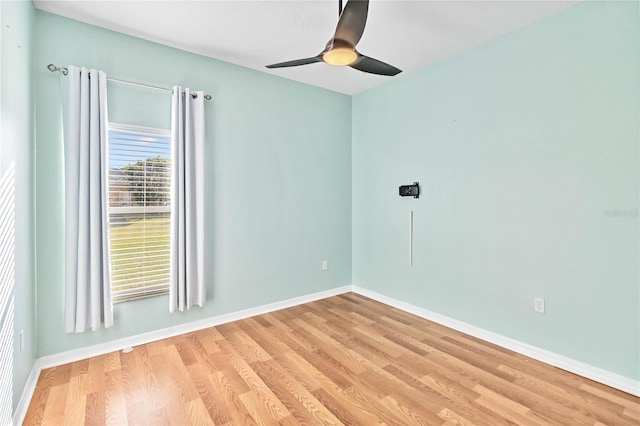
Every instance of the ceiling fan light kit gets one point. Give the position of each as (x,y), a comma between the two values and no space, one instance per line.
(340,57)
(341,49)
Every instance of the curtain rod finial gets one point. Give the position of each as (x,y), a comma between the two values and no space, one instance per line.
(54,68)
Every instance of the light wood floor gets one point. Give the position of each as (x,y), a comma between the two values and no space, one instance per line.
(343,360)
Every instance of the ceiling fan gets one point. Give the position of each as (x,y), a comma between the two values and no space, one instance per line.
(341,49)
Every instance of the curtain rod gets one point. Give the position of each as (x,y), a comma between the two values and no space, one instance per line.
(64,71)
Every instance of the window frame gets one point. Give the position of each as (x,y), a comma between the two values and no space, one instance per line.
(144,291)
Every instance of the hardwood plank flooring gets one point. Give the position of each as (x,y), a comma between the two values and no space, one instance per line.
(342,360)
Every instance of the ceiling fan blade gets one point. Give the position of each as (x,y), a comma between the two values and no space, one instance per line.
(296,62)
(352,21)
(374,66)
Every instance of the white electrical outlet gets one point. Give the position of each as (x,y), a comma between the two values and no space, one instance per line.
(325,265)
(538,304)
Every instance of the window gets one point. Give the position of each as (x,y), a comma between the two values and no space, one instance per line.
(7,283)
(139,211)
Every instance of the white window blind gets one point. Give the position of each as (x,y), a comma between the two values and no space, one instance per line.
(139,211)
(7,282)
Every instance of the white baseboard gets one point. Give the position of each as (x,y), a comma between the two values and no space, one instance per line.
(596,374)
(152,336)
(140,339)
(608,378)
(27,393)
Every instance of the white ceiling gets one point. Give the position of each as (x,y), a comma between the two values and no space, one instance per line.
(407,34)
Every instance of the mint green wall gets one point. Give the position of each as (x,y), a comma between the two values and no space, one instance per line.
(16,148)
(526,149)
(278,187)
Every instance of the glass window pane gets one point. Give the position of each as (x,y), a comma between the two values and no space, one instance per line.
(139,211)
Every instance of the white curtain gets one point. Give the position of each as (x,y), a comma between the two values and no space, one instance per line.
(87,275)
(187,286)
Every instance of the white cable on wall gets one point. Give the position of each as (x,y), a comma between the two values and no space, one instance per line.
(411,238)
